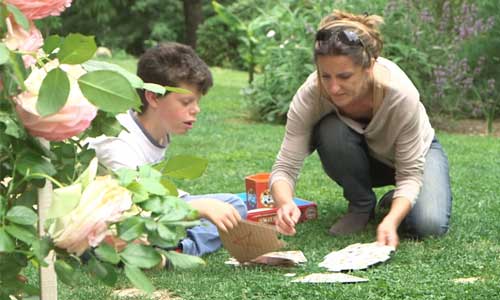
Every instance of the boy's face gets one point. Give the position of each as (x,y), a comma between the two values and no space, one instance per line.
(178,112)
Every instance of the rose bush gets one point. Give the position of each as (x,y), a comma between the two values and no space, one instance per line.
(102,202)
(38,9)
(75,116)
(18,38)
(62,97)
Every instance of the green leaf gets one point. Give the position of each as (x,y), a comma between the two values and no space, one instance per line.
(138,279)
(140,193)
(6,242)
(41,248)
(65,272)
(64,200)
(3,205)
(29,162)
(227,17)
(4,54)
(158,89)
(22,233)
(51,43)
(12,127)
(109,91)
(131,229)
(150,224)
(107,253)
(184,167)
(11,264)
(155,239)
(140,256)
(104,123)
(154,204)
(174,209)
(76,49)
(170,186)
(155,88)
(126,176)
(153,186)
(29,197)
(54,92)
(95,65)
(89,174)
(22,215)
(149,171)
(183,261)
(19,17)
(103,271)
(177,90)
(19,71)
(166,233)
(185,224)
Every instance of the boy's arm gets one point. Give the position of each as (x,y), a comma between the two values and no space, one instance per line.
(223,215)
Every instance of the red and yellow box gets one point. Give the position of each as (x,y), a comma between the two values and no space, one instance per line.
(308,209)
(257,191)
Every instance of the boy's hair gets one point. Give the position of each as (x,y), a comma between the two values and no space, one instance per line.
(172,64)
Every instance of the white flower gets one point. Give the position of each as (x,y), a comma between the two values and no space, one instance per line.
(271,33)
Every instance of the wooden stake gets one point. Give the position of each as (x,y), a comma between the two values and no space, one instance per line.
(48,277)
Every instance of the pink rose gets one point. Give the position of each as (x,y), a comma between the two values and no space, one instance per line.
(71,120)
(38,9)
(19,39)
(103,202)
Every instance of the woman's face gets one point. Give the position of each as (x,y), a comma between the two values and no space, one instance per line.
(344,81)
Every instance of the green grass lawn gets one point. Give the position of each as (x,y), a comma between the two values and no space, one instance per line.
(236,147)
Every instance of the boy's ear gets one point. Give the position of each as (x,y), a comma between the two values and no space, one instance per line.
(152,98)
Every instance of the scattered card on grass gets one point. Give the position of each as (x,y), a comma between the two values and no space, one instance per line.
(330,278)
(280,258)
(356,257)
(249,240)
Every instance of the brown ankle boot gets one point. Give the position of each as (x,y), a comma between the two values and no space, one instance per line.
(350,223)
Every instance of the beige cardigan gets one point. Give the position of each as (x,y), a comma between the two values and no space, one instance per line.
(399,133)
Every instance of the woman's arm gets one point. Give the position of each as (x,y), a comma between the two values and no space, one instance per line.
(387,230)
(288,212)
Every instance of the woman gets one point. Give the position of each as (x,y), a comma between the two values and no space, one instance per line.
(364,117)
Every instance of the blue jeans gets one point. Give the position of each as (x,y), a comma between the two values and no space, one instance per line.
(204,239)
(345,158)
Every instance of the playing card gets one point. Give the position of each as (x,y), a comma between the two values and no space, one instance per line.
(329,278)
(287,258)
(280,258)
(356,257)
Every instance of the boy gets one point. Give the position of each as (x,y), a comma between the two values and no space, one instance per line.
(150,130)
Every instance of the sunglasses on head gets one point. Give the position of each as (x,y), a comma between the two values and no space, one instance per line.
(346,37)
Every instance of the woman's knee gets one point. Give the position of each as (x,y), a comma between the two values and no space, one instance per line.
(430,224)
(331,137)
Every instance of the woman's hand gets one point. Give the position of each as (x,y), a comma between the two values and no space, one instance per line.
(223,215)
(387,233)
(288,216)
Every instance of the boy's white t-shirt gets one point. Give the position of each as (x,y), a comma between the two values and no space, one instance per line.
(133,147)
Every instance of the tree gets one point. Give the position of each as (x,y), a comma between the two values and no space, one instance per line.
(193,17)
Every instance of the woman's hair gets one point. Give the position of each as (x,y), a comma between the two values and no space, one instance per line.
(172,64)
(364,40)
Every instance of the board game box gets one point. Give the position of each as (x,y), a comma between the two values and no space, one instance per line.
(308,209)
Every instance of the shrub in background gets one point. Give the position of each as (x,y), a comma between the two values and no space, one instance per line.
(444,47)
(286,58)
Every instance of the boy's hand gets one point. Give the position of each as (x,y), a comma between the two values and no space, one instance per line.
(223,215)
(288,216)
